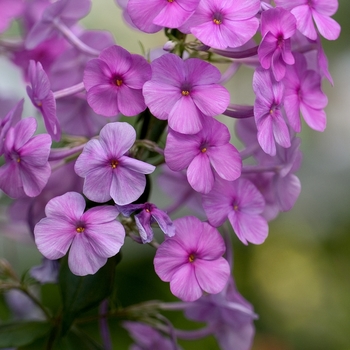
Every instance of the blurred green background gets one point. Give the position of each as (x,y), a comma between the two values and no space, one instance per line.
(298,280)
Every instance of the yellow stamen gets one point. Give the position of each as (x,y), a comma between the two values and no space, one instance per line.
(235,207)
(170,0)
(118,82)
(18,160)
(80,229)
(147,210)
(191,258)
(185,92)
(217,21)
(203,149)
(114,164)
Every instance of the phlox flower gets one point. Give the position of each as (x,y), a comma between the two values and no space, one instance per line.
(318,10)
(206,155)
(192,260)
(242,204)
(147,214)
(153,15)
(91,237)
(114,82)
(108,171)
(268,112)
(42,98)
(26,169)
(221,24)
(277,27)
(303,94)
(184,92)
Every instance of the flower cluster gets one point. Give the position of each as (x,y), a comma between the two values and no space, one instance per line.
(82,83)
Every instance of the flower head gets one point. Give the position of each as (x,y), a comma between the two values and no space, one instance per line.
(192,260)
(92,237)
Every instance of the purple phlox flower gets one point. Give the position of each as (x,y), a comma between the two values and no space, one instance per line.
(192,260)
(10,120)
(26,169)
(123,5)
(64,12)
(277,27)
(46,53)
(46,272)
(184,92)
(268,105)
(242,204)
(91,237)
(206,155)
(32,210)
(303,93)
(318,10)
(176,186)
(152,16)
(108,171)
(32,13)
(68,69)
(42,98)
(147,214)
(231,315)
(147,338)
(114,82)
(9,10)
(77,118)
(221,24)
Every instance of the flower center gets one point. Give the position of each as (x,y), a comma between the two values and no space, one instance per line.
(185,92)
(217,18)
(118,82)
(80,229)
(191,258)
(235,207)
(170,0)
(204,149)
(114,164)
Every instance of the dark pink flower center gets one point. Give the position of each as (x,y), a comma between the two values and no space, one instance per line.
(114,163)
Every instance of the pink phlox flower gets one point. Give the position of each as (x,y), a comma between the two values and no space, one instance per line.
(46,272)
(114,82)
(147,214)
(91,237)
(8,121)
(303,94)
(43,99)
(9,10)
(206,155)
(68,68)
(242,204)
(147,338)
(184,92)
(123,5)
(318,10)
(231,315)
(192,260)
(108,170)
(66,12)
(277,27)
(268,107)
(26,169)
(152,16)
(221,24)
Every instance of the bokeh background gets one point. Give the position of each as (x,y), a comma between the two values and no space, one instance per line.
(299,279)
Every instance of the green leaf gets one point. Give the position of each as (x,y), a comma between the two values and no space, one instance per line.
(77,340)
(22,333)
(80,294)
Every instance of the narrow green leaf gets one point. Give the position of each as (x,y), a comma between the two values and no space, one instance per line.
(22,333)
(80,294)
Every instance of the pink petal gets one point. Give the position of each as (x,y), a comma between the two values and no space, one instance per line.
(103,99)
(70,205)
(200,175)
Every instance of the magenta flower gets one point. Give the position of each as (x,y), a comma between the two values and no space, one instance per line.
(277,27)
(108,171)
(26,169)
(242,204)
(153,15)
(92,237)
(192,260)
(318,10)
(114,82)
(147,214)
(42,98)
(221,24)
(268,112)
(303,94)
(184,92)
(207,154)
